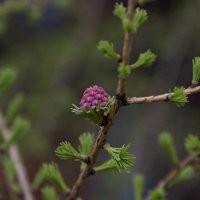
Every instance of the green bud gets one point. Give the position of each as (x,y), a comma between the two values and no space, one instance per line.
(123,159)
(14,107)
(139,18)
(66,151)
(178,96)
(107,166)
(124,70)
(86,142)
(167,144)
(192,144)
(145,59)
(120,11)
(50,172)
(184,175)
(49,193)
(7,76)
(19,128)
(138,186)
(107,49)
(10,171)
(157,194)
(196,70)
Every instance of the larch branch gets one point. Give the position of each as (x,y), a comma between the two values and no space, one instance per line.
(159,98)
(16,158)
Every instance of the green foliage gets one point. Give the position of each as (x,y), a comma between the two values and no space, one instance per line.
(19,128)
(196,70)
(139,18)
(66,152)
(107,49)
(86,143)
(167,144)
(92,114)
(107,166)
(138,186)
(49,193)
(184,175)
(121,156)
(50,173)
(157,194)
(130,25)
(7,77)
(178,96)
(145,59)
(10,172)
(192,144)
(120,11)
(14,107)
(124,70)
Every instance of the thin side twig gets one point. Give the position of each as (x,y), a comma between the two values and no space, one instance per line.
(164,183)
(16,158)
(103,131)
(159,98)
(6,191)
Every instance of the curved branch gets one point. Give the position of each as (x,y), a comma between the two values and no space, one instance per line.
(159,98)
(164,183)
(16,158)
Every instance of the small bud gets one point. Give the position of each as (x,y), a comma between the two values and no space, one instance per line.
(14,107)
(192,144)
(178,96)
(7,76)
(107,49)
(66,151)
(49,193)
(139,18)
(138,186)
(167,144)
(196,70)
(124,70)
(120,11)
(51,173)
(86,142)
(184,175)
(145,59)
(19,128)
(157,194)
(123,159)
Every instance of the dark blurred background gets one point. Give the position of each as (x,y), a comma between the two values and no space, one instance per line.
(52,44)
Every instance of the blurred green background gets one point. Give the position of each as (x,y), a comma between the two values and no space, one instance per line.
(52,45)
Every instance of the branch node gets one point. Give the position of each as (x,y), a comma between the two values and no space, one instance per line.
(194,85)
(122,99)
(92,172)
(102,144)
(104,121)
(119,59)
(88,160)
